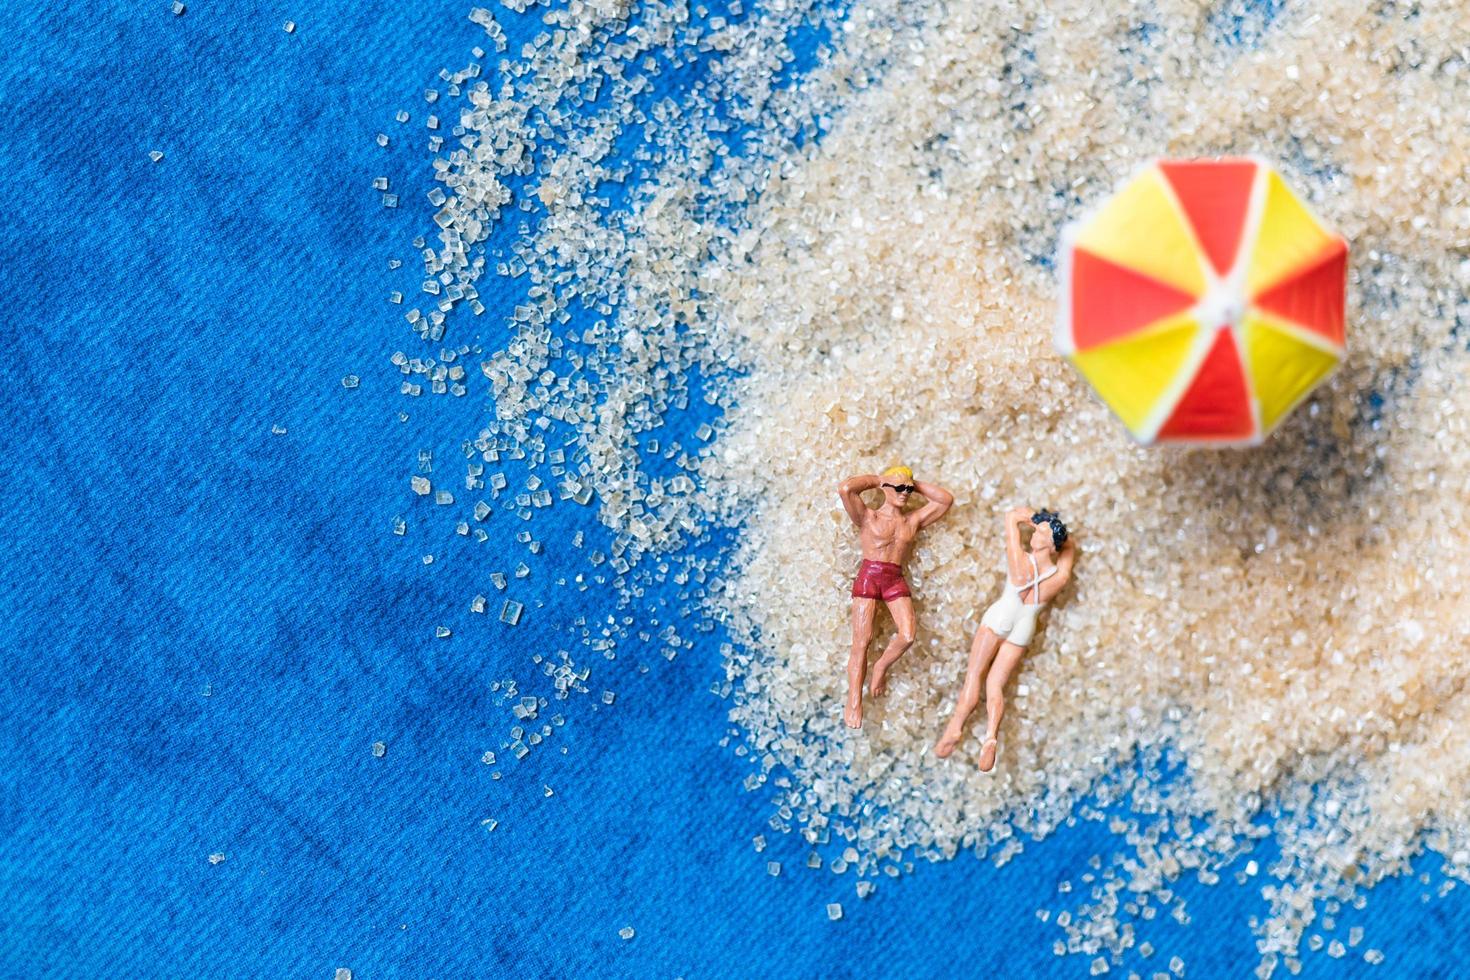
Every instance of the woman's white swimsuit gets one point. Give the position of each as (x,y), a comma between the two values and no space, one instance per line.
(1012,618)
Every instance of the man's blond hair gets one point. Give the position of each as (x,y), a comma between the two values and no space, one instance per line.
(903,471)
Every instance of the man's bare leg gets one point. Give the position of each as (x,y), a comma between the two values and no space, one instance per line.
(905,629)
(995,702)
(863,611)
(982,651)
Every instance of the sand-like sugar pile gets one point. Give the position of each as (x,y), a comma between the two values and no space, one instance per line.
(1286,621)
(1288,618)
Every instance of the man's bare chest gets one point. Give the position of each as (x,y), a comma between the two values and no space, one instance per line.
(888,530)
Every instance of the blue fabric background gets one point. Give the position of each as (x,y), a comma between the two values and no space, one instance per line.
(159,540)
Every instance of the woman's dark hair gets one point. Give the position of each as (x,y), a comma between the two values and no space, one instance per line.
(1058,529)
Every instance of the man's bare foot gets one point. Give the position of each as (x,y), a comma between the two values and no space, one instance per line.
(987,753)
(947,742)
(852,715)
(878,682)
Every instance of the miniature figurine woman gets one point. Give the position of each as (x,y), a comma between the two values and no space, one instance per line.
(887,535)
(1033,578)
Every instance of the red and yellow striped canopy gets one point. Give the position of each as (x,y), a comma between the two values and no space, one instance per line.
(1203,301)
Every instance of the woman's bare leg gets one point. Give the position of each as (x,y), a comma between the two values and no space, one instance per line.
(995,702)
(863,611)
(982,650)
(906,628)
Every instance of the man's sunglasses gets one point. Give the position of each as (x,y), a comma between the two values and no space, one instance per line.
(901,487)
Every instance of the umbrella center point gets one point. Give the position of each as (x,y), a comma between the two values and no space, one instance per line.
(1222,307)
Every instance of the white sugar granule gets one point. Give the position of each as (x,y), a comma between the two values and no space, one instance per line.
(1283,629)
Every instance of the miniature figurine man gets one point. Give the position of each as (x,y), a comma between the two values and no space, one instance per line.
(887,537)
(1034,576)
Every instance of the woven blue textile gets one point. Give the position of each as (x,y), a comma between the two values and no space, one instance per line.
(210,623)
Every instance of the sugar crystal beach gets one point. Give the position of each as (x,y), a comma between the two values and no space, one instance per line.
(884,291)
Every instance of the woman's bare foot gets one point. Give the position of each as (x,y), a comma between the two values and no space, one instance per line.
(852,715)
(988,748)
(947,742)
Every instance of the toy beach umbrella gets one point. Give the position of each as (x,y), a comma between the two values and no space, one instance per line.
(1202,301)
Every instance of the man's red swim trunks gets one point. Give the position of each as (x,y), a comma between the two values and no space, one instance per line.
(879,580)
